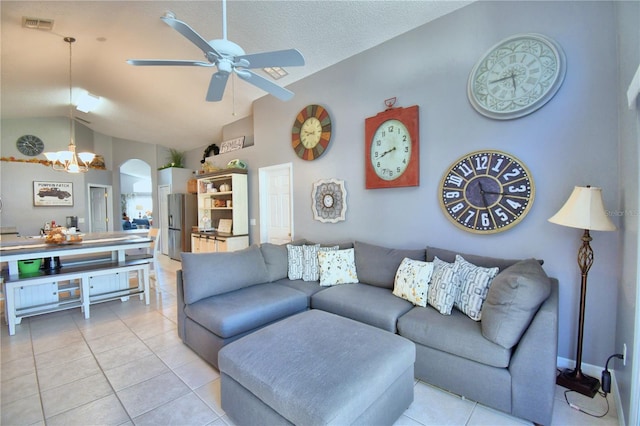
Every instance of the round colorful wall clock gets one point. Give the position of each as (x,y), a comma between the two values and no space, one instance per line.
(487,191)
(311,132)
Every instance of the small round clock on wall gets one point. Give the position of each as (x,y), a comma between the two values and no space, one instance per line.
(486,192)
(30,145)
(517,76)
(392,157)
(311,132)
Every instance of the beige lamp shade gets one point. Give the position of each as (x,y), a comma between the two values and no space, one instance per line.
(585,210)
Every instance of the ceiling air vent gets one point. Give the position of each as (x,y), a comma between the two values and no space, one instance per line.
(37,23)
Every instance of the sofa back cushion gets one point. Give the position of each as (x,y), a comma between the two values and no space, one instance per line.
(276,258)
(209,274)
(513,299)
(377,265)
(449,256)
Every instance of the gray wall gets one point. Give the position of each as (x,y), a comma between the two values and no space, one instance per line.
(628,15)
(571,141)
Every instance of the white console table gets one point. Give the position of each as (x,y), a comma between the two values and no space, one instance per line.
(93,271)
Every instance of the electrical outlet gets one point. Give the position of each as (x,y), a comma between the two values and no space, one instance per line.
(624,354)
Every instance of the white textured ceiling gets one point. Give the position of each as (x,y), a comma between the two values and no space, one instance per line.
(166,105)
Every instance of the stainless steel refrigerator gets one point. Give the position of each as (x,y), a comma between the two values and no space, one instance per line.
(183,212)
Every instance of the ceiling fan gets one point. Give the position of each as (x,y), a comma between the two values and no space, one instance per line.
(228,57)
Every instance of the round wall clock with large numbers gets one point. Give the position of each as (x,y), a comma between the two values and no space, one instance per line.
(517,76)
(486,192)
(311,132)
(392,157)
(30,145)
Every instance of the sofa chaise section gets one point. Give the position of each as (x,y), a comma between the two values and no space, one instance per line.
(224,296)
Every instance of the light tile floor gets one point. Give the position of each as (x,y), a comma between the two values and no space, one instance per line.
(126,365)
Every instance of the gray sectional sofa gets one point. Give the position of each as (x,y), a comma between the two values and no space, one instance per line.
(507,360)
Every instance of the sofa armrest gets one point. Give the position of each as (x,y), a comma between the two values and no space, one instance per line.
(533,364)
(181,305)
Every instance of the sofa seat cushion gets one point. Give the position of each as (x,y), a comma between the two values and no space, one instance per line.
(456,334)
(239,311)
(307,287)
(362,302)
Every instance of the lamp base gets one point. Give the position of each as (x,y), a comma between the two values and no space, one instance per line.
(579,382)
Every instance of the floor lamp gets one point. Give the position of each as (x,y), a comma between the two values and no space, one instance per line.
(584,210)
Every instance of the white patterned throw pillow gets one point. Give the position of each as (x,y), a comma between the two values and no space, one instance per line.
(337,267)
(444,286)
(474,286)
(412,281)
(310,268)
(296,262)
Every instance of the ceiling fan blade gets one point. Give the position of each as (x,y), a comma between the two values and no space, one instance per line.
(264,84)
(277,58)
(190,34)
(216,86)
(145,62)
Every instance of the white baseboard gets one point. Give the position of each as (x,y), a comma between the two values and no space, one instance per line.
(596,371)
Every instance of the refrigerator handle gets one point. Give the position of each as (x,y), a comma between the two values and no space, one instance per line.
(171,220)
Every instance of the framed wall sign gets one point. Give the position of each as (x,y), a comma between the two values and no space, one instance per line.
(52,194)
(231,145)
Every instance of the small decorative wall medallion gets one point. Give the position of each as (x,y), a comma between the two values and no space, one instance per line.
(329,200)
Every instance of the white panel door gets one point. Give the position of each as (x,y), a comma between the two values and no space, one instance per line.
(276,204)
(99,209)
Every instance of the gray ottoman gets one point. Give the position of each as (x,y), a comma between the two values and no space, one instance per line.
(317,368)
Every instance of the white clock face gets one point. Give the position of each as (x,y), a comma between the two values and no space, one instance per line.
(390,150)
(517,76)
(327,200)
(310,132)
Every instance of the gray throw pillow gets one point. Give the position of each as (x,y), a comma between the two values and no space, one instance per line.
(209,274)
(377,265)
(513,299)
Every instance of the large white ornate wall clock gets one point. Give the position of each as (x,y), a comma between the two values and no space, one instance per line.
(517,76)
(311,132)
(392,157)
(329,200)
(485,192)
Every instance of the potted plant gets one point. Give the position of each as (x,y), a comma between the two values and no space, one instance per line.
(176,159)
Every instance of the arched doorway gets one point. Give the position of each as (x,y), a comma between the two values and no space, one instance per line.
(136,194)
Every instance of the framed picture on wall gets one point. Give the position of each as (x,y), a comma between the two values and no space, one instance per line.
(52,194)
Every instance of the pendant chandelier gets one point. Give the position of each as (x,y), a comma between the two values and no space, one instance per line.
(68,161)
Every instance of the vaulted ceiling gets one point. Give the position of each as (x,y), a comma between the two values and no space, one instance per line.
(166,105)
